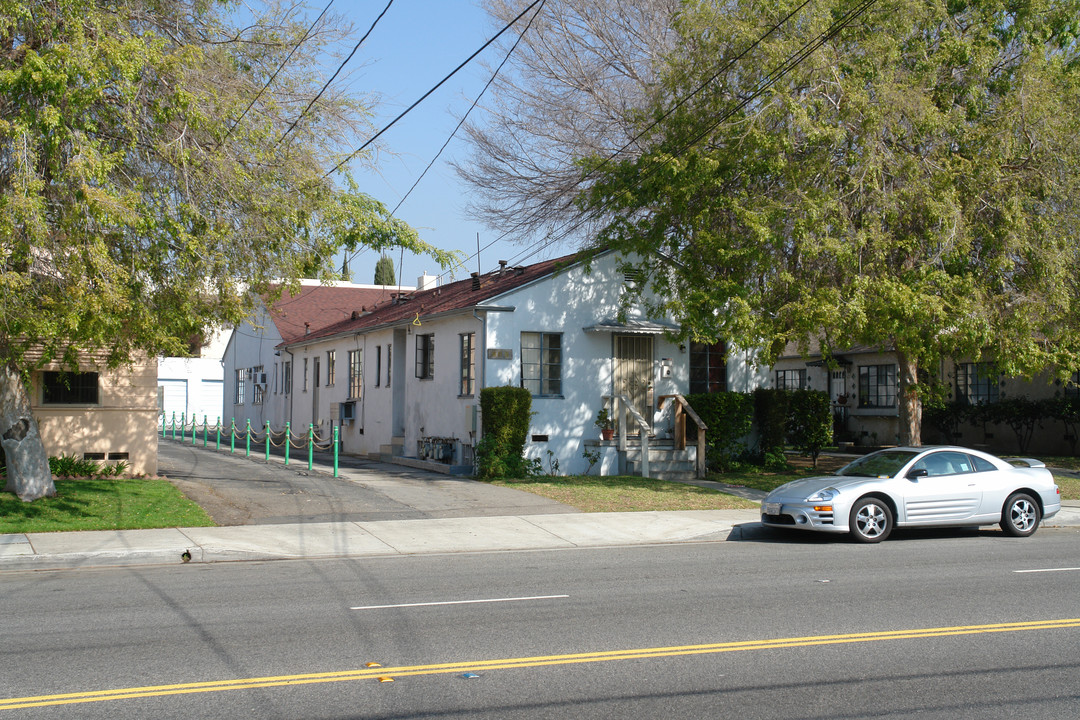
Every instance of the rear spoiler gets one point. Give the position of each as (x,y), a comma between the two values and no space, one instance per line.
(1029,462)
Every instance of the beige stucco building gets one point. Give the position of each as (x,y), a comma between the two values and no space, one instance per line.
(99,414)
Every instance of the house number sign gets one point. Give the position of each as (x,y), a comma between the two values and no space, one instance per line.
(499,354)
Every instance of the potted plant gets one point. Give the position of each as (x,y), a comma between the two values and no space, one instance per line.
(604,422)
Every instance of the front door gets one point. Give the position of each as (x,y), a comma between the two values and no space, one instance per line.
(634,373)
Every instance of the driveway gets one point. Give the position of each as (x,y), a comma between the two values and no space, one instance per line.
(237,490)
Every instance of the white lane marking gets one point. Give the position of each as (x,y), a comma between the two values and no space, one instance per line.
(1048,570)
(461,602)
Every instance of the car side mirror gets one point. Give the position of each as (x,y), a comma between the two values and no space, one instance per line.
(916,474)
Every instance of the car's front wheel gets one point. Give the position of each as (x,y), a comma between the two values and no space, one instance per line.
(1020,516)
(871,520)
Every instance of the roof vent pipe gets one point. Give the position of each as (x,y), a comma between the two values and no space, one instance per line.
(475,281)
(502,267)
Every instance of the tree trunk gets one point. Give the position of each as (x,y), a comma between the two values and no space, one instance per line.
(28,474)
(910,404)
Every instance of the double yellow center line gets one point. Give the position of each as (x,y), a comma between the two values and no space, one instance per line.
(374,673)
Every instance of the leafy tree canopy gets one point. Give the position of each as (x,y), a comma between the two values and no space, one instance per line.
(911,184)
(157,161)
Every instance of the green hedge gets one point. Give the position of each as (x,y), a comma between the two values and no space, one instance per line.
(801,417)
(505,413)
(729,417)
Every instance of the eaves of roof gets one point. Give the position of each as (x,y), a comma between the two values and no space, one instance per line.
(456,298)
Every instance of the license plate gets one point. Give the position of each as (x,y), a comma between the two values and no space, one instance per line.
(772,508)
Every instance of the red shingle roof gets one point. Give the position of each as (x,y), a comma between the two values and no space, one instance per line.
(321,305)
(459,295)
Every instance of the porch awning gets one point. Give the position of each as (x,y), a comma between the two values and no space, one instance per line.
(633,327)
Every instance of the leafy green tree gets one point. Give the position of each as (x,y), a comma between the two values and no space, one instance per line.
(159,166)
(384,271)
(912,184)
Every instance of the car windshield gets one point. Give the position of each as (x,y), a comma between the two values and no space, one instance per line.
(880,464)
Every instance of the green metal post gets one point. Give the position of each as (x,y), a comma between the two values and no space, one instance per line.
(232,437)
(335,452)
(218,447)
(173,424)
(288,442)
(310,445)
(194,425)
(268,441)
(205,429)
(247,439)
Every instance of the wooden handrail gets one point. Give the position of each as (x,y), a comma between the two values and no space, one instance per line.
(682,408)
(642,423)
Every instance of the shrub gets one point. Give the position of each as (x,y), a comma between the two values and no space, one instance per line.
(771,415)
(505,413)
(809,421)
(729,417)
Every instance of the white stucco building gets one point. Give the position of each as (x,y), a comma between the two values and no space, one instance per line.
(402,377)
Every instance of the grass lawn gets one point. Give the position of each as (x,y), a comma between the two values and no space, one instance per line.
(623,493)
(102,504)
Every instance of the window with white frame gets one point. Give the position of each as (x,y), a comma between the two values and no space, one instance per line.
(425,356)
(305,374)
(790,379)
(331,369)
(877,386)
(976,383)
(241,378)
(258,389)
(468,364)
(541,363)
(378,365)
(356,373)
(286,377)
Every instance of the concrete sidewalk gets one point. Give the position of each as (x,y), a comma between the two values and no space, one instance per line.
(39,551)
(34,551)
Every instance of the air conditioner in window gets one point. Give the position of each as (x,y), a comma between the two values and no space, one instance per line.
(348,412)
(260,378)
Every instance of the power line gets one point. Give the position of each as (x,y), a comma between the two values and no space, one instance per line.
(423,97)
(770,79)
(284,62)
(336,73)
(460,123)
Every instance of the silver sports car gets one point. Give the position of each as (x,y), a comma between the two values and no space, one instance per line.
(915,487)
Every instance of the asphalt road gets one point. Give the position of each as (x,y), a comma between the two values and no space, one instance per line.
(240,490)
(938,625)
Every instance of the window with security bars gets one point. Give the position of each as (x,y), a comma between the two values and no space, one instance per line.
(790,379)
(241,377)
(877,386)
(331,367)
(425,357)
(468,364)
(541,363)
(70,388)
(976,383)
(356,373)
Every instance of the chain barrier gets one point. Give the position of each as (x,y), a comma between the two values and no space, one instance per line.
(183,429)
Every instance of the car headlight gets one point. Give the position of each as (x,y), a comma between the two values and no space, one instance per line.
(825,495)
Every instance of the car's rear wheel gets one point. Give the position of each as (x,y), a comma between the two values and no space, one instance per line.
(871,520)
(1020,516)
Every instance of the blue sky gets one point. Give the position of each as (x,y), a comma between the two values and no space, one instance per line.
(415,45)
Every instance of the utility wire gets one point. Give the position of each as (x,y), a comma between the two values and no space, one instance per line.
(284,62)
(336,73)
(423,97)
(460,123)
(769,80)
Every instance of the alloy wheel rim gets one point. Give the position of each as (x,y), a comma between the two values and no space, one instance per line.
(1023,515)
(871,520)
